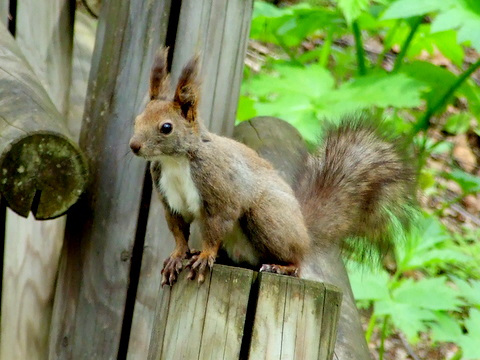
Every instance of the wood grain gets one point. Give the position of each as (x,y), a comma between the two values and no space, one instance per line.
(34,246)
(218,30)
(94,274)
(203,321)
(30,268)
(44,32)
(4,12)
(221,72)
(37,155)
(83,44)
(290,318)
(159,243)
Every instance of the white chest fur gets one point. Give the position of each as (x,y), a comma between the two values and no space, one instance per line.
(178,187)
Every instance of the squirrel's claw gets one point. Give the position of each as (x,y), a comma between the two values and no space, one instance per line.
(290,270)
(199,264)
(171,268)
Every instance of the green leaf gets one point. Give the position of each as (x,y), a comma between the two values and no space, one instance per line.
(384,90)
(289,26)
(429,293)
(246,109)
(403,9)
(286,79)
(423,246)
(458,123)
(469,342)
(427,41)
(408,318)
(469,183)
(473,323)
(439,80)
(446,328)
(464,16)
(368,284)
(352,9)
(469,290)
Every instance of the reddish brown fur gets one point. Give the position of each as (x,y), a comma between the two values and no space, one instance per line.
(244,205)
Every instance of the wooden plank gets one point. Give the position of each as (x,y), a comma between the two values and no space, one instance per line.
(29,274)
(93,281)
(203,321)
(44,32)
(4,12)
(269,313)
(159,243)
(226,313)
(288,319)
(194,31)
(34,246)
(83,43)
(333,301)
(218,30)
(274,140)
(38,159)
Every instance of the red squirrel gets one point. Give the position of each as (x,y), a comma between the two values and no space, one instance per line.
(348,189)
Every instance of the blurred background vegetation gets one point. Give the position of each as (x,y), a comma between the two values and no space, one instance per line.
(414,63)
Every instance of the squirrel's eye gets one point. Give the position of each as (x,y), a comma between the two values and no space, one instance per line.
(166,128)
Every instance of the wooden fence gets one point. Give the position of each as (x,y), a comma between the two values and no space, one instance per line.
(86,286)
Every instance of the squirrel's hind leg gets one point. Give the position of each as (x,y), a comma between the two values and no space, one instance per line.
(276,229)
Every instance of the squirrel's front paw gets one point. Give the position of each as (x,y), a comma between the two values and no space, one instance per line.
(172,267)
(198,265)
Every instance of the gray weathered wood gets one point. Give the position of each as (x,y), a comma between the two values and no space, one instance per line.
(264,134)
(94,275)
(292,319)
(44,32)
(203,321)
(32,250)
(29,285)
(159,243)
(202,23)
(333,301)
(37,156)
(4,11)
(83,43)
(218,30)
(274,140)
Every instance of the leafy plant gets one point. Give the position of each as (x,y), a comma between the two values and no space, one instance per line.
(321,69)
(434,302)
(305,88)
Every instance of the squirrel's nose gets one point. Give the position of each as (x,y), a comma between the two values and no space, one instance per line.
(135,146)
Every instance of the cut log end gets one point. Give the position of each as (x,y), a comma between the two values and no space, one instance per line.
(43,173)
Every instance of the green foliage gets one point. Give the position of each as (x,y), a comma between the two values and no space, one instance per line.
(434,303)
(469,183)
(303,95)
(434,288)
(315,84)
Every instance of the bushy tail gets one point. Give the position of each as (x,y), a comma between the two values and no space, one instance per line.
(356,188)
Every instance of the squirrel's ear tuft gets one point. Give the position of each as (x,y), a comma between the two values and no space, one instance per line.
(159,78)
(187,92)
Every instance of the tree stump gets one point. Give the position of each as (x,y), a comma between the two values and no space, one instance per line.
(240,314)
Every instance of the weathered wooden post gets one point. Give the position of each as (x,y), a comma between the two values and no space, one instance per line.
(44,32)
(42,169)
(95,267)
(232,316)
(218,30)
